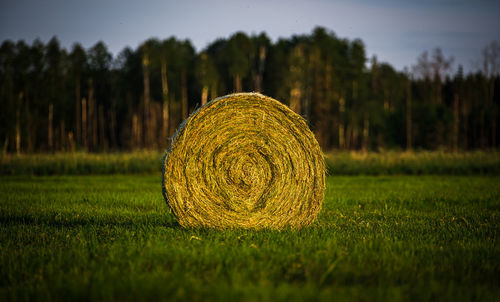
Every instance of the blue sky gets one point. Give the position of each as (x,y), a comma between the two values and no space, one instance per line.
(396,31)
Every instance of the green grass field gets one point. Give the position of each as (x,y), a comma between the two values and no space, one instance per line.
(338,163)
(386,238)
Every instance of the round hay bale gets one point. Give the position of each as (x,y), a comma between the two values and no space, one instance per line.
(244,160)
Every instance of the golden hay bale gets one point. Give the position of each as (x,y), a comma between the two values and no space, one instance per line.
(244,160)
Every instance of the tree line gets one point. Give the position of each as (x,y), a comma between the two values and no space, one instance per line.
(52,99)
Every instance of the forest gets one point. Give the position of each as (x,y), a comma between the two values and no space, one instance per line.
(53,99)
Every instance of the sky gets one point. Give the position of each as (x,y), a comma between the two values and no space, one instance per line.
(395,31)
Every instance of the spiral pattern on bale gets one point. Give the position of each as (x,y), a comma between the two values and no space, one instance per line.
(244,161)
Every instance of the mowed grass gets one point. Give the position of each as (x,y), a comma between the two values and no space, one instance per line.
(386,238)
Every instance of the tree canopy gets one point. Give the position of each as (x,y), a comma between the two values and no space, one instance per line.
(52,99)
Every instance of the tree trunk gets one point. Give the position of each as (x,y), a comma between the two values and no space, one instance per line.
(494,129)
(95,127)
(366,132)
(354,90)
(455,123)
(355,136)
(295,97)
(341,122)
(166,122)
(71,141)
(237,83)
(493,113)
(260,72)
(136,131)
(326,115)
(439,96)
(257,83)
(62,136)
(5,145)
(133,142)
(18,130)
(92,133)
(166,104)
(152,125)
(50,135)
(482,135)
(465,126)
(387,106)
(112,121)
(92,116)
(145,68)
(12,103)
(77,111)
(164,82)
(84,124)
(102,133)
(484,107)
(18,122)
(204,95)
(184,95)
(31,128)
(213,91)
(348,136)
(409,138)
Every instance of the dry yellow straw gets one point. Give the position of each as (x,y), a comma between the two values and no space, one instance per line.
(244,160)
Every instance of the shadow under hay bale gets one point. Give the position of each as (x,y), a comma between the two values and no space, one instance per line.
(244,160)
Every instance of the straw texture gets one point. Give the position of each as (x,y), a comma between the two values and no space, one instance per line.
(244,160)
